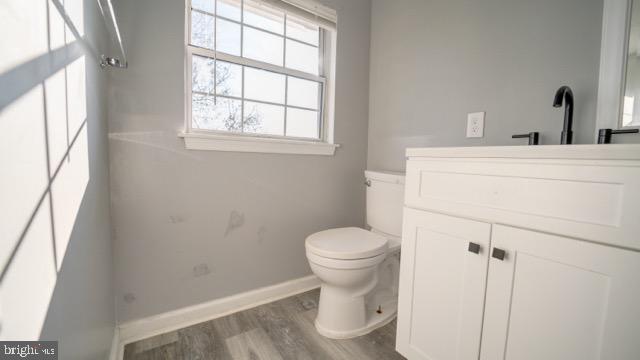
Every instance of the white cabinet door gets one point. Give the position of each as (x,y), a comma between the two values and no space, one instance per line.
(442,286)
(556,298)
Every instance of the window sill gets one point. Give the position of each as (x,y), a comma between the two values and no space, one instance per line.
(194,141)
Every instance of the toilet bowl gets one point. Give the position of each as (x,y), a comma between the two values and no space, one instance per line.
(358,269)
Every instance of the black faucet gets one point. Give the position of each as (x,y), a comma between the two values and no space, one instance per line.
(565,93)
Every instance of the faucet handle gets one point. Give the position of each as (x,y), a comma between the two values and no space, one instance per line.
(604,135)
(533,137)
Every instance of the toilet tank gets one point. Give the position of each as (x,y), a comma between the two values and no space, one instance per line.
(385,199)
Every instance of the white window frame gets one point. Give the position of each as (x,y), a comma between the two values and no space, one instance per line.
(198,139)
(614,47)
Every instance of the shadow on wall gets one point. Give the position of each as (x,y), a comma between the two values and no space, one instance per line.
(44,154)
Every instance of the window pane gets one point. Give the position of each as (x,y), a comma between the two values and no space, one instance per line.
(302,30)
(204,5)
(228,37)
(209,114)
(228,79)
(202,74)
(627,110)
(261,15)
(302,57)
(303,93)
(229,9)
(263,85)
(302,123)
(263,118)
(262,46)
(202,108)
(228,114)
(202,30)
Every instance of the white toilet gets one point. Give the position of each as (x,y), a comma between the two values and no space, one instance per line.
(358,268)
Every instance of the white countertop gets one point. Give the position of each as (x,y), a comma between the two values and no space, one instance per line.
(585,152)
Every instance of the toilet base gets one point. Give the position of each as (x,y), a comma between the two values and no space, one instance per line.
(375,320)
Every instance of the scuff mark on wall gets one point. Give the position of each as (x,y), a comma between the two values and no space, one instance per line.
(236,220)
(201,270)
(129,298)
(176,219)
(262,233)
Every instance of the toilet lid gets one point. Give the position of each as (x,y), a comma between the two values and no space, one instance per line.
(346,243)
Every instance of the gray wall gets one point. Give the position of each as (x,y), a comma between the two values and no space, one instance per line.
(434,61)
(172,208)
(55,247)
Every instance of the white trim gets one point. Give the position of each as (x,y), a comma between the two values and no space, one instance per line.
(136,330)
(616,16)
(198,141)
(240,98)
(239,60)
(115,353)
(316,9)
(329,45)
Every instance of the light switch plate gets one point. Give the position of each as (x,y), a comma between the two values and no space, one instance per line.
(475,125)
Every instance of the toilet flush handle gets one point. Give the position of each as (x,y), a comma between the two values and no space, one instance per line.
(367,182)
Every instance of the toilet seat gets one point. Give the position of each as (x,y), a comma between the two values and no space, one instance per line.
(342,244)
(345,264)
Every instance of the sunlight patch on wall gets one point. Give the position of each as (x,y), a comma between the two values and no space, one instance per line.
(44,158)
(71,180)
(27,21)
(23,157)
(56,111)
(68,189)
(26,290)
(76,95)
(56,29)
(74,9)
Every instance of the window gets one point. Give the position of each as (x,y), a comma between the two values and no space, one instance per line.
(627,111)
(257,69)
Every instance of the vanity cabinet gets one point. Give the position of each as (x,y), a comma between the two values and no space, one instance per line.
(521,254)
(442,286)
(557,298)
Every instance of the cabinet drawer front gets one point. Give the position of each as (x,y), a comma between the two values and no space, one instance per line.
(442,284)
(584,199)
(556,298)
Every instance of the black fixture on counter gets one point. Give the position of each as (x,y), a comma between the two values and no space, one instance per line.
(565,93)
(604,135)
(532,136)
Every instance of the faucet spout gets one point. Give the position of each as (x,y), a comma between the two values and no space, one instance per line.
(565,94)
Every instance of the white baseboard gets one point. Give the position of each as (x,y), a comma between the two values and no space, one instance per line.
(135,330)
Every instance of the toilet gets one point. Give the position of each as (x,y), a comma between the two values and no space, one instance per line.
(358,268)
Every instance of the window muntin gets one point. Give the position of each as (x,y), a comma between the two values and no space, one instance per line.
(255,70)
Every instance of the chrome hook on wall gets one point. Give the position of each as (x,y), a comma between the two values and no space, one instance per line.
(113,62)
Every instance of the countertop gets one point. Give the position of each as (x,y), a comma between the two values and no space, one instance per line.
(585,152)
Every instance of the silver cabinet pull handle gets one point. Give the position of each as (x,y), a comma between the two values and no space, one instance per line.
(474,248)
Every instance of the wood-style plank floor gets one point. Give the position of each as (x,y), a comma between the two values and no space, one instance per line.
(279,330)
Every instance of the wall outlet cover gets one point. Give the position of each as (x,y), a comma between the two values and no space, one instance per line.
(475,125)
